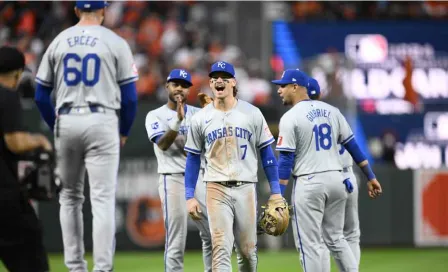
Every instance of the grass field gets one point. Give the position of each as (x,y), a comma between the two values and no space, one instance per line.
(378,260)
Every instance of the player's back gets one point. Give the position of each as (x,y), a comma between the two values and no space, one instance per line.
(317,132)
(86,69)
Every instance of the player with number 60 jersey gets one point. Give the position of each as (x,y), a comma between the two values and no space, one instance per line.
(91,71)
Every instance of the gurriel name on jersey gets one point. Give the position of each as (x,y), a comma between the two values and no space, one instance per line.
(228,132)
(317,113)
(82,40)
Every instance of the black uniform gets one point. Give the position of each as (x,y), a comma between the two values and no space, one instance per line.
(21,245)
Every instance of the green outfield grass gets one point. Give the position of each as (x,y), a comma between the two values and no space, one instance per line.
(378,260)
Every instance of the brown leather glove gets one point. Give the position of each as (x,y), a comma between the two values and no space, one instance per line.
(204,99)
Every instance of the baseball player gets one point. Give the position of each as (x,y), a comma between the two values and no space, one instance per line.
(309,134)
(167,128)
(230,132)
(92,72)
(352,231)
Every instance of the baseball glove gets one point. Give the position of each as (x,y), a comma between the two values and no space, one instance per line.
(204,99)
(274,220)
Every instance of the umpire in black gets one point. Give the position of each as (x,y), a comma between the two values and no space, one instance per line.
(21,245)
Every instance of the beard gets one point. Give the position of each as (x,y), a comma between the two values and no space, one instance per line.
(173,99)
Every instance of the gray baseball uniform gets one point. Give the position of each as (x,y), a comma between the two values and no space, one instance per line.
(313,130)
(230,141)
(171,167)
(352,231)
(86,65)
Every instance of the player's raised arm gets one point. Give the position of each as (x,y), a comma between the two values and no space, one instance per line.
(349,143)
(268,160)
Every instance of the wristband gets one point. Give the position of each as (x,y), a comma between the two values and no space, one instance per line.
(283,188)
(175,124)
(367,170)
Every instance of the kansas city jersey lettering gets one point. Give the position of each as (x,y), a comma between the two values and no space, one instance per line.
(228,132)
(230,141)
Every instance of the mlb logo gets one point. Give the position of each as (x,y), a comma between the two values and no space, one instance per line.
(369,48)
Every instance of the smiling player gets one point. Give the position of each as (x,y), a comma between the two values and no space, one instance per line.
(230,132)
(167,128)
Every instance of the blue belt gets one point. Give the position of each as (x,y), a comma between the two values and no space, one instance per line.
(84,109)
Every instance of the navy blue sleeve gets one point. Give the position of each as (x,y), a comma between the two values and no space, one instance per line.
(128,107)
(354,150)
(191,174)
(357,155)
(285,164)
(270,168)
(156,139)
(42,98)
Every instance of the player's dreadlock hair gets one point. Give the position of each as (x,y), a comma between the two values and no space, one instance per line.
(235,91)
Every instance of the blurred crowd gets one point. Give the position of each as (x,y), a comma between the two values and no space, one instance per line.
(166,35)
(369,10)
(162,35)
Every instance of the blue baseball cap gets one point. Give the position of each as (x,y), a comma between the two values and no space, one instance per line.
(179,74)
(313,88)
(293,76)
(91,5)
(222,66)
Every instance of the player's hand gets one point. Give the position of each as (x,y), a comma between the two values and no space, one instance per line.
(123,140)
(180,108)
(204,99)
(374,188)
(44,143)
(275,196)
(193,209)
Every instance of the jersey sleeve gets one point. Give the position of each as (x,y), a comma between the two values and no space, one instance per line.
(126,69)
(195,141)
(153,126)
(263,133)
(345,132)
(286,136)
(45,73)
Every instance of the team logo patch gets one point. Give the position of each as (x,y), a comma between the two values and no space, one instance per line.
(267,131)
(280,140)
(155,125)
(134,69)
(221,65)
(183,74)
